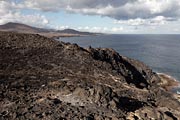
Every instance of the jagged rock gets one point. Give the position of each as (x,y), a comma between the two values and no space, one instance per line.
(42,78)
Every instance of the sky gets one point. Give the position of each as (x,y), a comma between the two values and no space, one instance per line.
(106,16)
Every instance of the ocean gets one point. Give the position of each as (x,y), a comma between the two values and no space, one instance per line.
(160,52)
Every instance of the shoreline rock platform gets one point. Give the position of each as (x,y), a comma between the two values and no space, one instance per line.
(41,78)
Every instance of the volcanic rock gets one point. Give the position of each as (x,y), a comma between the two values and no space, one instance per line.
(41,78)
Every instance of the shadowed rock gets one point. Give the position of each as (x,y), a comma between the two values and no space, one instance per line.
(41,78)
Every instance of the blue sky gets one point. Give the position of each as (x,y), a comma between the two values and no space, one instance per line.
(108,16)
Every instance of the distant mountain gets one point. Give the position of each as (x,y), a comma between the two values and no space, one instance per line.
(71,31)
(22,28)
(18,27)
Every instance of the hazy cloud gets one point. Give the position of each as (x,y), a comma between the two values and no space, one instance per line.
(101,29)
(62,27)
(118,9)
(159,20)
(131,13)
(11,12)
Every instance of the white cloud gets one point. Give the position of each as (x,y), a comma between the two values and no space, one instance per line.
(117,29)
(176,30)
(158,20)
(130,13)
(79,28)
(90,29)
(118,9)
(11,12)
(101,29)
(86,28)
(36,20)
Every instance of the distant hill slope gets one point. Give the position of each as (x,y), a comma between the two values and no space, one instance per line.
(18,27)
(22,28)
(71,31)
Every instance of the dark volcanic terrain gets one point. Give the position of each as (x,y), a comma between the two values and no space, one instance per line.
(41,78)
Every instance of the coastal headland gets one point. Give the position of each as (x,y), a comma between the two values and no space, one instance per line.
(41,78)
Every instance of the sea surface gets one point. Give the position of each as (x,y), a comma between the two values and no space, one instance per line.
(160,52)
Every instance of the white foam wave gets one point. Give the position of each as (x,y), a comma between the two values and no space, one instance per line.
(177,88)
(168,76)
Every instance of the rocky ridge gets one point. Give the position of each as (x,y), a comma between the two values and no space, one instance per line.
(41,78)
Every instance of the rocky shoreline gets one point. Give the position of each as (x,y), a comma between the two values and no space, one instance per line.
(168,82)
(41,78)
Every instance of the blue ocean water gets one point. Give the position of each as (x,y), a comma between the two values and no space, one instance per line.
(160,52)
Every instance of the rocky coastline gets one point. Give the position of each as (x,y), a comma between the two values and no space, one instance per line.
(168,82)
(41,78)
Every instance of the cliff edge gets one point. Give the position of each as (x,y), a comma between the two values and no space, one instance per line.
(41,78)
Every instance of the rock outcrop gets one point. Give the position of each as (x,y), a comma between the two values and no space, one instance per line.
(41,78)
